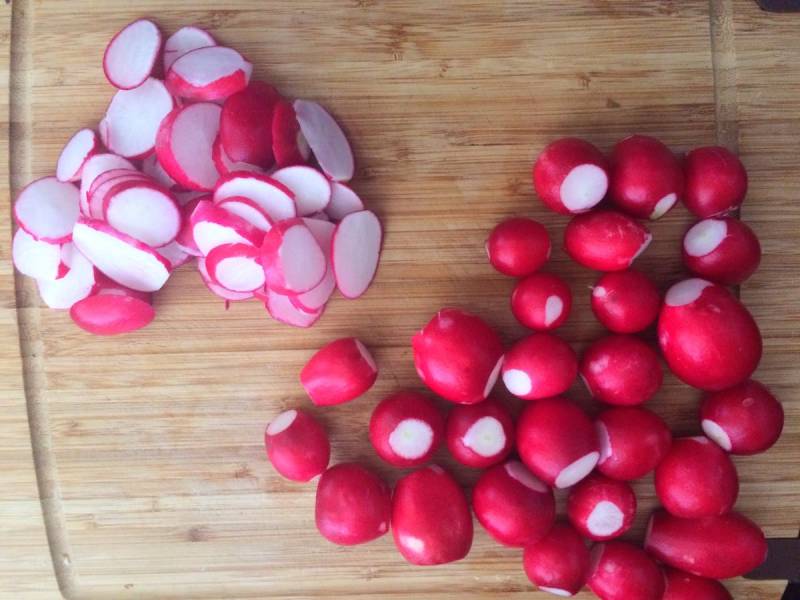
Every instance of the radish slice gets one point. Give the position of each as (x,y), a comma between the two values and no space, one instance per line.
(185,40)
(48,209)
(319,216)
(40,260)
(315,298)
(225,165)
(273,197)
(111,314)
(153,169)
(292,258)
(131,54)
(134,116)
(356,249)
(213,226)
(175,254)
(311,189)
(327,140)
(184,199)
(247,210)
(183,145)
(75,153)
(104,184)
(218,290)
(76,285)
(281,309)
(144,211)
(245,126)
(236,267)
(288,144)
(210,73)
(94,166)
(343,201)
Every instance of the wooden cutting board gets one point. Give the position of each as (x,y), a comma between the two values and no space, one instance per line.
(148,448)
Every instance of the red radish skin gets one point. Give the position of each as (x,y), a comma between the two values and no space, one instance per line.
(77,284)
(40,260)
(318,296)
(605,240)
(539,366)
(343,201)
(111,314)
(174,254)
(184,145)
(339,372)
(104,286)
(685,586)
(131,54)
(518,247)
(209,73)
(625,301)
(723,250)
(274,198)
(213,226)
(185,40)
(282,309)
(245,126)
(145,211)
(601,508)
(696,479)
(557,442)
(236,267)
(622,571)
(515,507)
(47,210)
(431,521)
(541,301)
(134,116)
(355,252)
(293,261)
(716,181)
(289,146)
(715,547)
(633,441)
(570,176)
(458,356)
(311,189)
(480,435)
(326,140)
(80,148)
(708,338)
(297,445)
(406,428)
(559,562)
(744,419)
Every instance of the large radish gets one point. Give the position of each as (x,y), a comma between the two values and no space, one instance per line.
(539,366)
(685,586)
(605,240)
(633,441)
(723,250)
(208,73)
(716,181)
(184,145)
(622,571)
(47,209)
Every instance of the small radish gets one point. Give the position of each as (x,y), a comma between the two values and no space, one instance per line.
(539,366)
(723,250)
(274,198)
(248,210)
(208,73)
(288,144)
(716,181)
(518,246)
(47,210)
(685,586)
(111,314)
(343,201)
(311,189)
(80,148)
(633,441)
(696,479)
(153,169)
(708,338)
(559,562)
(605,240)
(406,428)
(557,442)
(601,508)
(431,521)
(185,40)
(213,226)
(326,139)
(131,54)
(570,176)
(339,372)
(622,571)
(458,355)
(40,260)
(297,445)
(218,290)
(95,166)
(145,211)
(77,284)
(541,301)
(480,435)
(513,505)
(236,267)
(245,125)
(293,261)
(744,419)
(625,301)
(282,309)
(355,252)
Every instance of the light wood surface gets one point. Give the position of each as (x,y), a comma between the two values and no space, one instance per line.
(148,448)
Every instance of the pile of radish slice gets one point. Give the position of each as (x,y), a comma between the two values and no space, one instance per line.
(203,164)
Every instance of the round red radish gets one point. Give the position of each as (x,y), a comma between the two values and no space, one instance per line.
(685,586)
(80,147)
(570,176)
(131,54)
(633,441)
(297,445)
(696,479)
(406,428)
(541,301)
(431,521)
(622,571)
(176,256)
(355,252)
(601,508)
(40,260)
(185,40)
(708,338)
(145,211)
(539,366)
(185,237)
(513,505)
(293,261)
(559,562)
(480,435)
(111,314)
(458,355)
(326,140)
(288,144)
(605,240)
(557,441)
(95,166)
(343,201)
(245,126)
(208,73)
(134,116)
(311,189)
(77,284)
(723,250)
(339,372)
(248,210)
(236,267)
(625,301)
(274,198)
(518,246)
(716,181)
(282,309)
(47,209)
(184,142)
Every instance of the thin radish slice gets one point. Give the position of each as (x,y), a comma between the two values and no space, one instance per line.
(247,210)
(236,267)
(75,153)
(108,182)
(322,232)
(213,226)
(356,248)
(292,258)
(273,197)
(225,165)
(218,290)
(185,198)
(94,166)
(326,139)
(76,285)
(315,298)
(319,216)
(143,210)
(281,309)
(245,126)
(311,189)
(153,169)
(185,40)
(183,145)
(209,73)
(289,146)
(48,209)
(175,254)
(102,128)
(131,54)
(134,116)
(343,201)
(111,314)
(40,260)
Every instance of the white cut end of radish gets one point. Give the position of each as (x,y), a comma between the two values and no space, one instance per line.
(75,153)
(555,591)
(133,118)
(203,66)
(485,437)
(76,285)
(144,212)
(185,40)
(647,239)
(573,473)
(48,209)
(40,260)
(130,55)
(282,422)
(519,472)
(663,205)
(517,382)
(281,309)
(605,519)
(249,211)
(553,308)
(239,274)
(311,189)
(599,291)
(302,260)
(685,292)
(208,235)
(705,237)
(717,433)
(367,356)
(326,139)
(412,542)
(355,252)
(492,379)
(604,440)
(152,168)
(343,201)
(411,439)
(193,133)
(583,187)
(271,196)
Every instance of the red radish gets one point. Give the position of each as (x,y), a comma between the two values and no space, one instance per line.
(47,209)
(744,419)
(621,370)
(225,165)
(405,429)
(605,240)
(716,181)
(343,201)
(131,54)
(622,571)
(354,506)
(339,372)
(715,547)
(144,211)
(431,522)
(518,246)
(541,301)
(696,479)
(183,145)
(274,198)
(318,296)
(326,140)
(311,189)
(685,586)
(245,126)
(282,309)
(236,267)
(559,562)
(601,508)
(458,356)
(111,314)
(539,366)
(570,176)
(248,210)
(77,284)
(185,40)
(133,118)
(208,73)
(80,148)
(723,250)
(218,290)
(646,177)
(708,338)
(480,435)
(153,169)
(213,226)
(40,260)
(633,441)
(297,445)
(625,301)
(293,261)
(288,144)
(175,254)
(557,442)
(94,166)
(513,505)
(107,182)
(355,252)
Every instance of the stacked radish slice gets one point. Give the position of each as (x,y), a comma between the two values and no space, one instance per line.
(203,164)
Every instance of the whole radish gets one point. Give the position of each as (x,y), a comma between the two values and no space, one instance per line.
(541,301)
(297,445)
(480,435)
(406,428)
(539,366)
(622,571)
(518,246)
(339,372)
(625,301)
(722,249)
(601,508)
(633,441)
(605,240)
(559,562)
(112,314)
(716,181)
(685,586)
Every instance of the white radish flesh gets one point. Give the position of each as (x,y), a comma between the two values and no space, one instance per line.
(217,289)
(355,252)
(326,139)
(40,260)
(213,226)
(311,189)
(76,285)
(75,153)
(281,309)
(184,143)
(153,169)
(208,73)
(343,201)
(185,40)
(292,258)
(236,267)
(273,197)
(48,209)
(315,298)
(247,210)
(144,211)
(134,116)
(94,166)
(131,54)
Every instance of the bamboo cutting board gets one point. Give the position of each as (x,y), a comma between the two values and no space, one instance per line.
(148,448)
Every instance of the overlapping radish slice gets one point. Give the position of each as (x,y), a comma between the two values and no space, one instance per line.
(311,189)
(40,260)
(185,237)
(247,210)
(292,258)
(217,289)
(48,209)
(134,116)
(143,210)
(76,285)
(131,54)
(208,73)
(281,309)
(184,142)
(153,169)
(355,252)
(315,299)
(236,267)
(104,184)
(213,226)
(225,165)
(289,147)
(111,314)
(94,166)
(343,201)
(185,40)
(80,147)
(274,198)
(326,139)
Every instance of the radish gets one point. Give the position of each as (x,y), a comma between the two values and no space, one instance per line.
(515,507)
(208,73)
(318,296)
(625,301)
(111,314)
(431,522)
(601,508)
(288,144)
(744,419)
(685,586)
(326,140)
(708,338)
(339,372)
(354,506)
(293,261)
(80,148)
(723,250)
(236,267)
(274,198)
(715,547)
(633,441)
(570,176)
(557,442)
(355,252)
(716,181)
(343,201)
(107,182)
(183,145)
(144,211)
(47,210)
(282,309)
(218,290)
(539,366)
(458,356)
(297,445)
(480,435)
(225,165)
(518,247)
(175,255)
(133,118)
(153,169)
(605,240)
(185,40)
(646,177)
(622,571)
(94,166)
(559,562)
(213,226)
(248,210)
(541,301)
(131,54)
(405,429)
(77,284)
(40,260)
(696,479)
(311,189)
(245,126)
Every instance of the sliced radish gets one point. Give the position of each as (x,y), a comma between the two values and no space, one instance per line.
(111,314)
(311,189)
(105,183)
(292,258)
(183,145)
(356,250)
(315,298)
(134,116)
(601,508)
(326,139)
(236,267)
(339,372)
(480,435)
(48,209)
(406,428)
(208,73)
(281,309)
(76,285)
(218,290)
(343,201)
(248,210)
(185,40)
(518,246)
(144,211)
(75,153)
(559,562)
(213,226)
(131,54)
(297,445)
(175,254)
(40,260)
(288,144)
(245,127)
(153,169)
(94,166)
(273,197)
(225,165)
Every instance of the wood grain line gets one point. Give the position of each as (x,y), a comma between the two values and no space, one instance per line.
(723,66)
